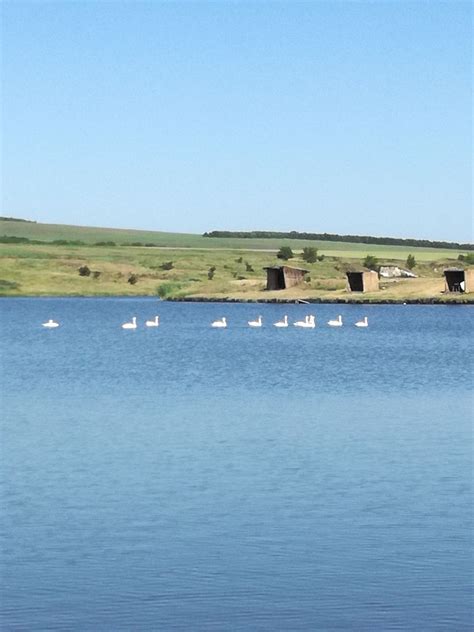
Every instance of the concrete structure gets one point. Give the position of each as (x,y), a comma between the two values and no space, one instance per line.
(283,277)
(394,272)
(459,280)
(367,281)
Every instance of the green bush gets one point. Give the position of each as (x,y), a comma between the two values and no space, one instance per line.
(167,265)
(310,254)
(132,279)
(285,253)
(371,262)
(8,285)
(167,289)
(411,262)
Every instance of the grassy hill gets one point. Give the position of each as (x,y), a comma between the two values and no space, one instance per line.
(48,269)
(120,236)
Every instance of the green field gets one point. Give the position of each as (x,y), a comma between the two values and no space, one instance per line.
(89,235)
(53,270)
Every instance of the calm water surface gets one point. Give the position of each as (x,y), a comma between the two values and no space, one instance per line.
(196,479)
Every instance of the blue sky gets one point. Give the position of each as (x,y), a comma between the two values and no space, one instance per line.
(348,117)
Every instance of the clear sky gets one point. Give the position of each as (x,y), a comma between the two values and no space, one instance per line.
(348,117)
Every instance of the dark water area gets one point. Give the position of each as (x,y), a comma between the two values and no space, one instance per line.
(187,478)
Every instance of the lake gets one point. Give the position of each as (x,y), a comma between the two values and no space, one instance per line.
(188,478)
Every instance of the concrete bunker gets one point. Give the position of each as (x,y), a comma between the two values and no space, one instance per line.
(283,277)
(459,280)
(366,281)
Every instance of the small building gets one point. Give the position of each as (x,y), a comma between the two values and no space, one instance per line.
(283,277)
(366,281)
(459,280)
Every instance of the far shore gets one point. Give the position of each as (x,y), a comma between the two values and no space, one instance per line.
(349,300)
(331,301)
(183,269)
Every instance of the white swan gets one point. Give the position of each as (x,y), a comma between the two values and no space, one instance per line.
(336,323)
(282,323)
(219,323)
(362,323)
(132,325)
(51,324)
(153,323)
(308,323)
(301,323)
(255,323)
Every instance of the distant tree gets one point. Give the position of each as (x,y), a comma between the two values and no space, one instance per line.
(10,239)
(239,260)
(96,274)
(84,271)
(356,239)
(67,242)
(411,262)
(248,267)
(132,279)
(371,262)
(310,254)
(285,253)
(16,219)
(210,272)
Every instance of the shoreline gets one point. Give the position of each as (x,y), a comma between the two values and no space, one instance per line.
(278,301)
(328,301)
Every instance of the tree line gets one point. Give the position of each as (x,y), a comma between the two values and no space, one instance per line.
(354,239)
(16,219)
(11,239)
